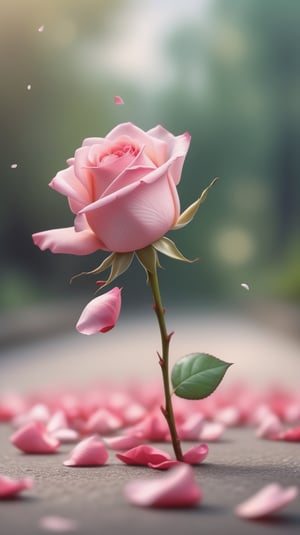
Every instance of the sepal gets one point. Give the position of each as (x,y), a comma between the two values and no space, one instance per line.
(168,247)
(189,213)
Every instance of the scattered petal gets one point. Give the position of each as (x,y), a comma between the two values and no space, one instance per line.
(101,314)
(266,501)
(14,166)
(124,442)
(245,286)
(211,431)
(143,455)
(11,487)
(118,100)
(196,454)
(176,489)
(89,452)
(58,523)
(191,427)
(164,465)
(34,438)
(102,422)
(269,426)
(290,435)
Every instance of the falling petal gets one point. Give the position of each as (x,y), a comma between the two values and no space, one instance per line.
(34,438)
(118,100)
(266,501)
(245,286)
(143,455)
(11,487)
(176,489)
(14,166)
(89,452)
(196,455)
(41,28)
(100,314)
(58,523)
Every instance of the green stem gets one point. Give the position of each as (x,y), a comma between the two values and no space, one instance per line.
(164,362)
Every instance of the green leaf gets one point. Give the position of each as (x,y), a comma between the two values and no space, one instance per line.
(167,247)
(197,375)
(189,213)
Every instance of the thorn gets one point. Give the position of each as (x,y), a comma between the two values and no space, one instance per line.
(160,360)
(163,410)
(170,336)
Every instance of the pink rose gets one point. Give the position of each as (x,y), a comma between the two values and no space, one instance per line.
(122,190)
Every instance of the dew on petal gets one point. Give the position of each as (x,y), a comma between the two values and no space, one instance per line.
(118,100)
(245,286)
(266,501)
(58,523)
(177,488)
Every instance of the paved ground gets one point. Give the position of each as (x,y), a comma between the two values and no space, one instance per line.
(236,467)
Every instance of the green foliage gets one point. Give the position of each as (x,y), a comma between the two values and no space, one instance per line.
(197,375)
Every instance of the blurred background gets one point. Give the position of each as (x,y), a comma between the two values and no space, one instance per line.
(226,71)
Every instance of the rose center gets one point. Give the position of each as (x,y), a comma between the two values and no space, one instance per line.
(117,152)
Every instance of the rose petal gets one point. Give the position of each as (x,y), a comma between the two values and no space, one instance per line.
(102,421)
(196,454)
(65,436)
(290,435)
(269,499)
(143,455)
(124,442)
(89,452)
(269,426)
(68,241)
(211,431)
(11,487)
(34,438)
(164,465)
(58,523)
(118,100)
(100,314)
(191,427)
(176,489)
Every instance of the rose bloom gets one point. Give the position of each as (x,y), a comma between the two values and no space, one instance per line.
(122,190)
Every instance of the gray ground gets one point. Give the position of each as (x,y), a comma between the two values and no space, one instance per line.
(236,467)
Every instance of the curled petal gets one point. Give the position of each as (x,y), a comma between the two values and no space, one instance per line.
(68,241)
(143,455)
(124,442)
(34,438)
(89,452)
(100,314)
(176,489)
(103,421)
(265,502)
(11,487)
(196,455)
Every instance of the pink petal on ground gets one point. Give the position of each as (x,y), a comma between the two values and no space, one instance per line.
(66,436)
(102,422)
(58,523)
(164,465)
(266,501)
(11,487)
(176,489)
(38,413)
(228,416)
(269,426)
(191,427)
(101,314)
(154,426)
(290,435)
(211,431)
(89,452)
(143,455)
(124,442)
(118,100)
(196,454)
(34,438)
